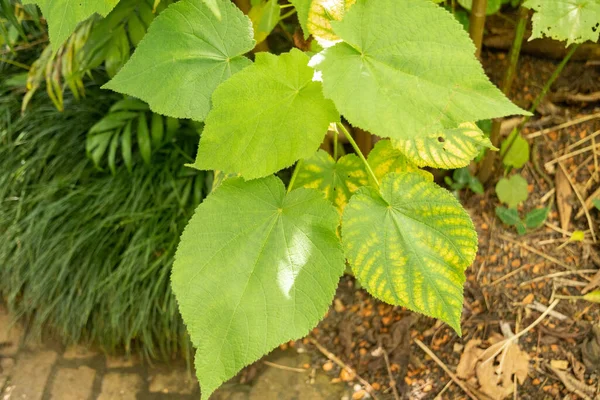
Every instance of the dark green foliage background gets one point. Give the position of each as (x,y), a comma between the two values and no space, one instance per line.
(85,254)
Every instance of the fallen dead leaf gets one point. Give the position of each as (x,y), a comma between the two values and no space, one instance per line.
(590,350)
(493,376)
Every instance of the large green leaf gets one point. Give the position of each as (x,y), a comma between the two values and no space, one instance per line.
(337,180)
(266,117)
(449,148)
(410,244)
(572,20)
(415,80)
(185,55)
(255,268)
(64,15)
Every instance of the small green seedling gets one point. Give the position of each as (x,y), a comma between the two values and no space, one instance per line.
(462,178)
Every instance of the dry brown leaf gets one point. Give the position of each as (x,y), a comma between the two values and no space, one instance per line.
(576,365)
(564,191)
(590,350)
(494,377)
(488,380)
(469,358)
(592,284)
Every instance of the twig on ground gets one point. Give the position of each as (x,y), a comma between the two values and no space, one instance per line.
(507,342)
(542,308)
(439,362)
(439,395)
(563,126)
(345,366)
(573,385)
(588,202)
(549,164)
(580,198)
(585,139)
(389,369)
(511,273)
(556,274)
(560,230)
(535,251)
(284,367)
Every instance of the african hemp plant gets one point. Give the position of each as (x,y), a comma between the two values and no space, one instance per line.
(258,263)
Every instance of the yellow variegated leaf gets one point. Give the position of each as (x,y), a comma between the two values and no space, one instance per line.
(409,245)
(384,158)
(320,15)
(338,181)
(451,148)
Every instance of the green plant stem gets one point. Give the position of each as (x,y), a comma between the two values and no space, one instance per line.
(335,145)
(477,24)
(288,14)
(487,165)
(15,63)
(341,126)
(295,175)
(515,133)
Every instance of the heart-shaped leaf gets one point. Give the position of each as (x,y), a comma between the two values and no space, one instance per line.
(286,259)
(409,245)
(185,55)
(266,117)
(415,80)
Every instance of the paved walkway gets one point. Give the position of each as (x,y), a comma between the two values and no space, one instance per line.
(52,372)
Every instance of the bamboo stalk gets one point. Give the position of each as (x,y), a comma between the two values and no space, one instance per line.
(477,24)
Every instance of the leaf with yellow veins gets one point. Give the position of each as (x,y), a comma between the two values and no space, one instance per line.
(337,180)
(384,158)
(450,148)
(320,15)
(409,245)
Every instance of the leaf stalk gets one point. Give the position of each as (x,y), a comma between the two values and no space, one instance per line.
(340,126)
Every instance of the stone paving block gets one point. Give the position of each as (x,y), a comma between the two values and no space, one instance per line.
(120,386)
(30,375)
(175,380)
(121,361)
(77,352)
(73,383)
(10,334)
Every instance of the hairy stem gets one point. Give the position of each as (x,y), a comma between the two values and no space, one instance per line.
(341,127)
